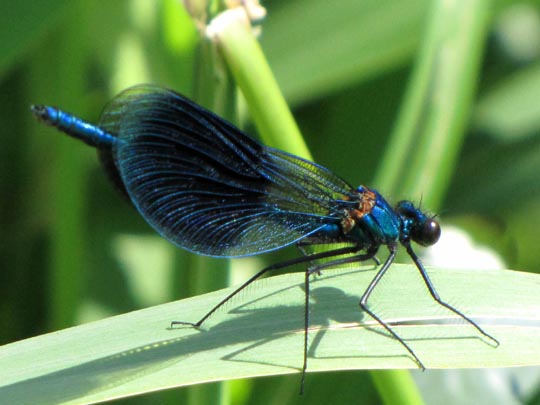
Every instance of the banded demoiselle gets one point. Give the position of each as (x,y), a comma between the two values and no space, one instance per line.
(211,189)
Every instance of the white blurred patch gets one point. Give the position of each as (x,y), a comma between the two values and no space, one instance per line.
(456,249)
(518,31)
(496,386)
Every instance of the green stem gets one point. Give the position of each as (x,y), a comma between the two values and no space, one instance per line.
(396,387)
(430,129)
(253,75)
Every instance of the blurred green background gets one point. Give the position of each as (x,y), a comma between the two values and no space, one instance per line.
(73,251)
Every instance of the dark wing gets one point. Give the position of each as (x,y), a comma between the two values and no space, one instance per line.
(208,187)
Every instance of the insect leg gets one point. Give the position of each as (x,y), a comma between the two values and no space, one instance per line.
(370,254)
(292,262)
(316,269)
(365,297)
(438,299)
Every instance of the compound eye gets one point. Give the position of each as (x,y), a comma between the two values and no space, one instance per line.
(430,233)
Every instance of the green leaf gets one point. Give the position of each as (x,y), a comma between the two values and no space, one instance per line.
(319,46)
(260,333)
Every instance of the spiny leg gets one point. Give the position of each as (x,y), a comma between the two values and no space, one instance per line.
(438,299)
(365,298)
(370,254)
(306,326)
(277,266)
(316,270)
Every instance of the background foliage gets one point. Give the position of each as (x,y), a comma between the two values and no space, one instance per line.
(71,251)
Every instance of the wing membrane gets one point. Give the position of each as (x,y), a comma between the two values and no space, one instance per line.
(208,187)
